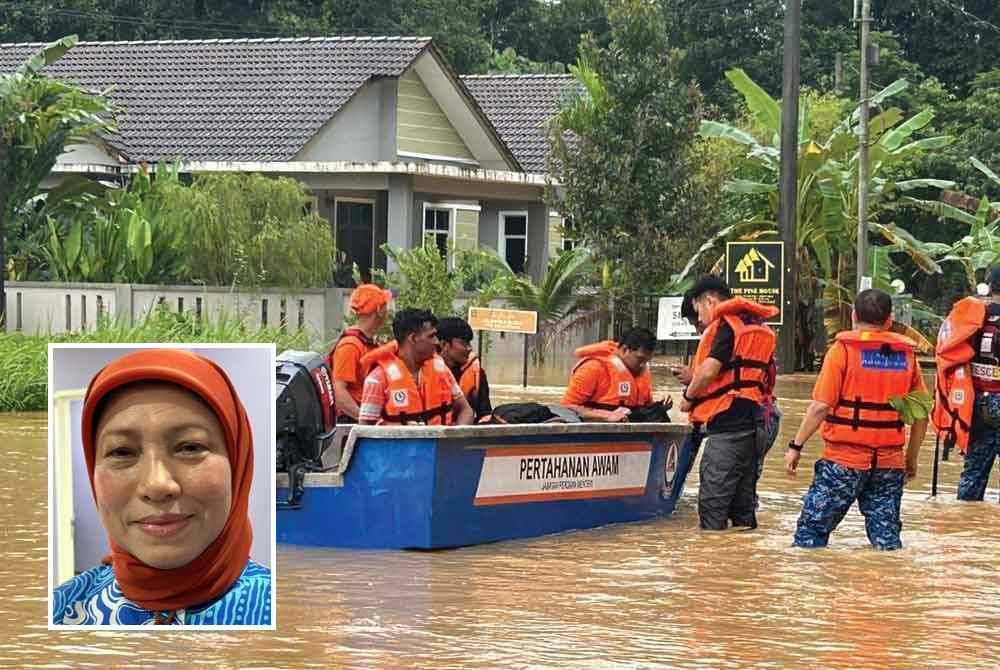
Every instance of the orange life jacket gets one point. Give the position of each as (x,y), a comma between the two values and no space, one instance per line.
(405,403)
(353,337)
(954,394)
(880,365)
(624,389)
(750,372)
(468,379)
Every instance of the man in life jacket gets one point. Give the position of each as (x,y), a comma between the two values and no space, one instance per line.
(371,306)
(455,337)
(612,379)
(409,383)
(864,435)
(967,407)
(727,384)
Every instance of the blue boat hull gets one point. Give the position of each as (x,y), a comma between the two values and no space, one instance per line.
(456,487)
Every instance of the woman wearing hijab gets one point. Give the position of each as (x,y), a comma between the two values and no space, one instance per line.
(169,454)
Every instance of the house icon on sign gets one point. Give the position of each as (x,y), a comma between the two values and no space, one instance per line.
(754,267)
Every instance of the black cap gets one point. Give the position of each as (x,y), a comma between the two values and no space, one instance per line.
(993,279)
(710,283)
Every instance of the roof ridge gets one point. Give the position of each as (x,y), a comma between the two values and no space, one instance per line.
(516,76)
(240,40)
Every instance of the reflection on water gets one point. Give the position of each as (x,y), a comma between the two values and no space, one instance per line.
(645,595)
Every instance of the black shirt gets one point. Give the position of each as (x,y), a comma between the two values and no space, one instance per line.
(740,415)
(481,404)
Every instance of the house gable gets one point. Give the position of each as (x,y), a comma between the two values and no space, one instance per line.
(362,131)
(422,127)
(443,93)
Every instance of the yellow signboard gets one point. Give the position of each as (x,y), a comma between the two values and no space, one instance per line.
(503,320)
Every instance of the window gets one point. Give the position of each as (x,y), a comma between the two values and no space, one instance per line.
(437,227)
(514,239)
(569,235)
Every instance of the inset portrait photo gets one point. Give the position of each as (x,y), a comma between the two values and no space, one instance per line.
(161,485)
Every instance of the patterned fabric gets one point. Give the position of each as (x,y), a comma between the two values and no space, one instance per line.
(93,598)
(984,447)
(834,489)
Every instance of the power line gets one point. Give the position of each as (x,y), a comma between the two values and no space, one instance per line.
(975,19)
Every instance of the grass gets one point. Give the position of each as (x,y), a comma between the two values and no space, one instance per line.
(24,358)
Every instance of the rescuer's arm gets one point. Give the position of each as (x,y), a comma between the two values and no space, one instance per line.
(917,433)
(703,375)
(462,410)
(811,421)
(342,397)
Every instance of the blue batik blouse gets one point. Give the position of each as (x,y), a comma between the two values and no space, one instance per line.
(93,598)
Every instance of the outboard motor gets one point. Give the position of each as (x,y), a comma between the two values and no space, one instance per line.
(305,418)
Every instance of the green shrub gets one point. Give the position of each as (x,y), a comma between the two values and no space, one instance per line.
(24,358)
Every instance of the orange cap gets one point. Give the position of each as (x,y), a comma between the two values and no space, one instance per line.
(368,298)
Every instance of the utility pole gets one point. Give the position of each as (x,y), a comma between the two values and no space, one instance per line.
(865,19)
(838,72)
(788,205)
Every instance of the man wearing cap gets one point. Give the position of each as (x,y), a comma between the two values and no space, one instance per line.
(981,443)
(371,306)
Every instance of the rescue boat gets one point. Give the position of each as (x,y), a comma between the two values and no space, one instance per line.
(433,487)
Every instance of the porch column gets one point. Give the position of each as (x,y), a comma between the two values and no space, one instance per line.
(538,240)
(400,212)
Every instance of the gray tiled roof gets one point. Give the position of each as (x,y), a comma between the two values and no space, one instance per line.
(218,100)
(518,107)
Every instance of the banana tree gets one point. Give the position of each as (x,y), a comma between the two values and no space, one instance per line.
(39,117)
(980,249)
(826,214)
(127,235)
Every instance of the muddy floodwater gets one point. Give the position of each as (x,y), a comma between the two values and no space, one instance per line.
(656,594)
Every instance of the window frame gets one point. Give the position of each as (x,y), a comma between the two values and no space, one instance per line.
(503,236)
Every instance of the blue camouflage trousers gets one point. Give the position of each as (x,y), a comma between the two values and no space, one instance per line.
(984,447)
(834,489)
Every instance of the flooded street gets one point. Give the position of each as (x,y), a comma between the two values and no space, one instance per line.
(644,595)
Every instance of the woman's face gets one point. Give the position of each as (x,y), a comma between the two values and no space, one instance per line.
(162,476)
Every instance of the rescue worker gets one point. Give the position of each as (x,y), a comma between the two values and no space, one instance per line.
(731,375)
(612,379)
(967,408)
(371,306)
(864,435)
(455,338)
(409,383)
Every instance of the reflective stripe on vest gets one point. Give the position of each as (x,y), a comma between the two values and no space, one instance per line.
(986,364)
(880,365)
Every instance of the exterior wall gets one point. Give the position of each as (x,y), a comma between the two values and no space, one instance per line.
(357,132)
(422,127)
(538,230)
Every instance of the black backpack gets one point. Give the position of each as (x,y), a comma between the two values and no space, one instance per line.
(652,413)
(523,412)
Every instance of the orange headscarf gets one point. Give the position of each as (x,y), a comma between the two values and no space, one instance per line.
(212,573)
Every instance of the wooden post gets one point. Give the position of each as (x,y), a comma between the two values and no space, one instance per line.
(524,371)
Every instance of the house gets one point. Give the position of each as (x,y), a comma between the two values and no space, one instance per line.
(392,144)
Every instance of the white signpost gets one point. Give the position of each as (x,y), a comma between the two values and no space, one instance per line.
(670,325)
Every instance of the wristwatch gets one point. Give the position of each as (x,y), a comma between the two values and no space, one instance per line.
(796,447)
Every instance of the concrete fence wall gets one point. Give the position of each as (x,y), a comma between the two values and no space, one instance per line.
(53,308)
